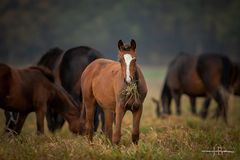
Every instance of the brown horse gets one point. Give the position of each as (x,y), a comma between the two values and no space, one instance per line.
(107,83)
(207,75)
(31,90)
(67,68)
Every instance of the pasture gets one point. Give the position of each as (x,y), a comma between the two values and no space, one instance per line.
(173,137)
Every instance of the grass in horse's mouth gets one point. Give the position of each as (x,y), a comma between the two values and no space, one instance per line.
(129,92)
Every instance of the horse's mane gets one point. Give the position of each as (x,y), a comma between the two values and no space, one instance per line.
(50,57)
(45,71)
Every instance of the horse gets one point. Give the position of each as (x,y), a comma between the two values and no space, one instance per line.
(49,60)
(32,90)
(70,64)
(71,67)
(116,87)
(219,75)
(199,76)
(181,78)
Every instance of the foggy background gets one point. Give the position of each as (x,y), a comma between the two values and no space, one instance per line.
(161,28)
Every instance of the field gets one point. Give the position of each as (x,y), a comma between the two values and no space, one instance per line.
(173,137)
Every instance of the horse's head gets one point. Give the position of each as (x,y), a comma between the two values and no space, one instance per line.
(127,58)
(62,102)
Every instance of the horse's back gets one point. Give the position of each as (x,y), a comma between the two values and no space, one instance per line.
(100,67)
(51,58)
(182,75)
(73,63)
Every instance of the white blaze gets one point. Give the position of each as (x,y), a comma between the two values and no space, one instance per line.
(128,58)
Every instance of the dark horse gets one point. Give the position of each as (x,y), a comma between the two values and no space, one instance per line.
(51,61)
(72,65)
(206,75)
(31,90)
(181,78)
(67,68)
(117,87)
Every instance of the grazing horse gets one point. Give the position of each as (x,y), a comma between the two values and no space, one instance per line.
(181,78)
(116,87)
(31,90)
(219,75)
(55,121)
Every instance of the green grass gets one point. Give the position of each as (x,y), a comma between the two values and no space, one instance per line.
(173,137)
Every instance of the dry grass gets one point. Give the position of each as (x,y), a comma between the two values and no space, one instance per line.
(171,137)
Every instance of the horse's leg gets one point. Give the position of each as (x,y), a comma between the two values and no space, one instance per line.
(120,111)
(102,119)
(40,113)
(166,104)
(193,104)
(82,119)
(136,122)
(96,118)
(225,97)
(221,97)
(21,119)
(108,124)
(205,107)
(11,120)
(89,105)
(54,120)
(177,97)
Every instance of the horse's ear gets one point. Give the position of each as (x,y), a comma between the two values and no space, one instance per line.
(120,44)
(133,44)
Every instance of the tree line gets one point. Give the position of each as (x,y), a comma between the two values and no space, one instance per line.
(161,28)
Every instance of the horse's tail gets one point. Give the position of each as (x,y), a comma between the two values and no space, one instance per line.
(49,59)
(45,71)
(228,72)
(165,91)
